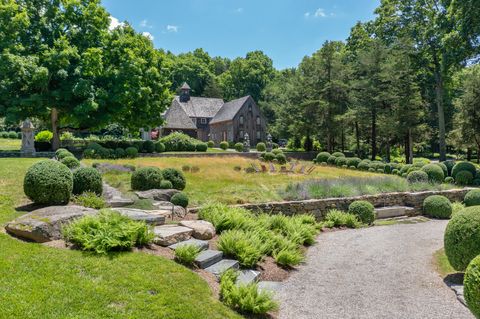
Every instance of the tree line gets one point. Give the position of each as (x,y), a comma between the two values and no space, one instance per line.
(405,81)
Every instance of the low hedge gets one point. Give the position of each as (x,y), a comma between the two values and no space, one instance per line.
(437,206)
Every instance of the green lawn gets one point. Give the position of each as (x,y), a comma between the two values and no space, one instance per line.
(42,282)
(7,144)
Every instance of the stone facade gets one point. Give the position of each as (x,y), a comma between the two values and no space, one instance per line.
(320,207)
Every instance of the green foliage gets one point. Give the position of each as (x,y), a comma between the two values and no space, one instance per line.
(288,257)
(471,283)
(437,206)
(337,218)
(245,298)
(201,147)
(13,135)
(463,178)
(119,153)
(261,147)
(363,165)
(463,166)
(248,247)
(322,157)
(64,153)
(449,165)
(353,161)
(472,198)
(90,199)
(457,207)
(4,134)
(338,154)
(108,231)
(48,182)
(444,168)
(224,145)
(164,184)
(341,161)
(462,237)
(417,177)
(211,144)
(148,147)
(131,152)
(179,142)
(176,177)
(87,179)
(363,210)
(43,136)
(281,158)
(332,160)
(449,180)
(70,161)
(146,178)
(180,199)
(434,172)
(159,147)
(268,156)
(239,147)
(186,254)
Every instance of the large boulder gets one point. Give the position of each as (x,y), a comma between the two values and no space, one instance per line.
(201,229)
(172,210)
(157,194)
(167,235)
(114,197)
(46,224)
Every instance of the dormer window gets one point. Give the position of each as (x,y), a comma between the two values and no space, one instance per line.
(203,120)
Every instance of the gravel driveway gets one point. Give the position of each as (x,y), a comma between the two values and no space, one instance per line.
(377,272)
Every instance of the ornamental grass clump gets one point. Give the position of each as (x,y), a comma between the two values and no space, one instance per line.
(108,231)
(186,254)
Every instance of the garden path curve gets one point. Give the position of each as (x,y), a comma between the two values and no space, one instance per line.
(376,272)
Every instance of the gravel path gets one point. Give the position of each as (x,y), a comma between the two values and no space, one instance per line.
(377,272)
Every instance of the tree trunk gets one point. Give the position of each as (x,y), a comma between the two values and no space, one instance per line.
(374,134)
(343,140)
(56,137)
(410,146)
(441,112)
(387,150)
(357,137)
(469,154)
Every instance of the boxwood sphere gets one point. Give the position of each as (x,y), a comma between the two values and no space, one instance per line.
(444,168)
(338,154)
(48,182)
(463,166)
(462,237)
(363,210)
(146,178)
(364,166)
(322,157)
(417,177)
(340,161)
(176,177)
(87,179)
(332,160)
(180,199)
(71,162)
(201,147)
(472,198)
(437,206)
(435,173)
(449,165)
(464,178)
(261,147)
(471,283)
(61,155)
(281,158)
(131,152)
(353,161)
(159,147)
(449,180)
(166,184)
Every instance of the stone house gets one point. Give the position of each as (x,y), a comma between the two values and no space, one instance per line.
(213,119)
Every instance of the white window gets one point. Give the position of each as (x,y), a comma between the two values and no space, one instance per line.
(241,119)
(250,108)
(241,134)
(258,120)
(259,135)
(203,120)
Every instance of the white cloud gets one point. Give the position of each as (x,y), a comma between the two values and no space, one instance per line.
(144,24)
(307,14)
(320,13)
(239,10)
(114,23)
(148,35)
(172,28)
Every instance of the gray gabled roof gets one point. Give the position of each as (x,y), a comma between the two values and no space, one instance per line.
(229,110)
(177,118)
(185,86)
(200,106)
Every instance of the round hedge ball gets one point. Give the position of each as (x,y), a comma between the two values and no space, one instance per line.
(435,173)
(176,177)
(61,155)
(471,283)
(146,178)
(70,161)
(472,198)
(340,161)
(87,179)
(363,210)
(437,206)
(463,166)
(332,160)
(353,161)
(166,184)
(49,183)
(462,237)
(449,180)
(417,177)
(449,165)
(443,167)
(322,157)
(338,154)
(180,199)
(464,178)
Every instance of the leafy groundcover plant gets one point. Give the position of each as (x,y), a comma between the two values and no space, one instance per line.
(337,218)
(90,199)
(186,254)
(108,231)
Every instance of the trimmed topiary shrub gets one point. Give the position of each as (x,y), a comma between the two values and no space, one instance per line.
(180,199)
(64,153)
(338,154)
(388,169)
(341,161)
(224,145)
(87,179)
(322,157)
(463,178)
(164,184)
(277,151)
(176,177)
(463,166)
(261,147)
(332,160)
(434,172)
(363,210)
(61,150)
(372,170)
(146,178)
(444,168)
(437,206)
(268,156)
(353,161)
(70,162)
(281,158)
(239,147)
(462,237)
(363,165)
(48,182)
(395,172)
(159,147)
(449,165)
(148,147)
(471,283)
(119,152)
(449,180)
(405,168)
(211,144)
(472,198)
(201,147)
(131,152)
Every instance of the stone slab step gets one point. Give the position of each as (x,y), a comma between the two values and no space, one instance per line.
(150,217)
(208,257)
(270,286)
(223,265)
(202,244)
(247,276)
(393,211)
(167,235)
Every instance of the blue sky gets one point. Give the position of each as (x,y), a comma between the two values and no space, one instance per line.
(286,30)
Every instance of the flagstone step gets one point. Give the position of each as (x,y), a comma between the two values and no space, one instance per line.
(393,211)
(202,244)
(247,276)
(269,286)
(223,265)
(167,235)
(208,257)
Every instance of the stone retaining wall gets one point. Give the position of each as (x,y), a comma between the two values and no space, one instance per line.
(320,207)
(306,156)
(8,154)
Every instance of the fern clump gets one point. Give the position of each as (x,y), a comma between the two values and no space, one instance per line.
(186,254)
